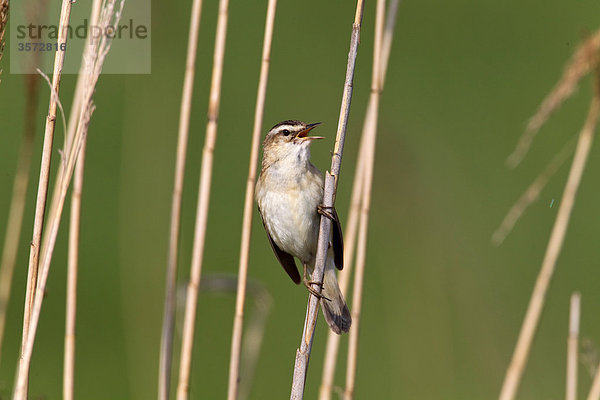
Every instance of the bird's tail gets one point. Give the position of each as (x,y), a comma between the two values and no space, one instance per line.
(334,306)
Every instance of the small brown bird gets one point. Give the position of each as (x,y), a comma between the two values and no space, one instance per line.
(289,192)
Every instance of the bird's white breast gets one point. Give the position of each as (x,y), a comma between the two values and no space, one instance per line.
(288,195)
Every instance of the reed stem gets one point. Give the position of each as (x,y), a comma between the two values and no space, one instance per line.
(536,303)
(333,340)
(168,327)
(238,320)
(40,206)
(331,179)
(202,208)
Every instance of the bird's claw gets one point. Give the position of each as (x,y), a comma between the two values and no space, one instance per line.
(314,291)
(326,211)
(309,287)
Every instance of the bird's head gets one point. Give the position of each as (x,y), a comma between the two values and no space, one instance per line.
(289,138)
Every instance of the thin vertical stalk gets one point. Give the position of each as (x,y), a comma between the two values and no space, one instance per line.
(238,320)
(74,224)
(40,206)
(96,54)
(573,346)
(168,327)
(203,202)
(17,202)
(73,258)
(52,233)
(360,258)
(368,165)
(536,303)
(333,340)
(331,179)
(80,86)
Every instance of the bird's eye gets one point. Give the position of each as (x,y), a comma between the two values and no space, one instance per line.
(285,132)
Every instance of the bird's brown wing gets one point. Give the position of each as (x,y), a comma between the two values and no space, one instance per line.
(285,259)
(337,240)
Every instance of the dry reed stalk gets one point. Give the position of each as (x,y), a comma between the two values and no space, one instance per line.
(168,327)
(583,61)
(536,303)
(360,256)
(360,259)
(573,347)
(333,340)
(96,54)
(203,202)
(531,194)
(79,93)
(368,165)
(74,224)
(40,207)
(238,319)
(331,179)
(73,257)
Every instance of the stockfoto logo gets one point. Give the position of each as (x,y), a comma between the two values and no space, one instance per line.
(129,30)
(34,40)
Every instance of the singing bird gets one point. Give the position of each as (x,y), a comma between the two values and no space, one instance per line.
(289,192)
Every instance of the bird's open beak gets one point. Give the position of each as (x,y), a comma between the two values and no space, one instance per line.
(303,134)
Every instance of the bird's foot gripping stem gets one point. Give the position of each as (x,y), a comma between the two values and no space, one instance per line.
(309,283)
(327,211)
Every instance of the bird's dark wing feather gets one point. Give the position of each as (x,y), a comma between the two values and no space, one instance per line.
(285,259)
(338,240)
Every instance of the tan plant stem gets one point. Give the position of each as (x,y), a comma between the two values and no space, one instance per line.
(573,347)
(94,58)
(331,179)
(73,258)
(238,320)
(54,220)
(333,340)
(203,202)
(536,303)
(360,262)
(168,327)
(74,223)
(80,86)
(40,207)
(368,165)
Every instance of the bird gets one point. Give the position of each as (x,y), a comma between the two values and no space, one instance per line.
(289,192)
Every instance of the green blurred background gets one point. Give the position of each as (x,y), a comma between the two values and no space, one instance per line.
(442,305)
